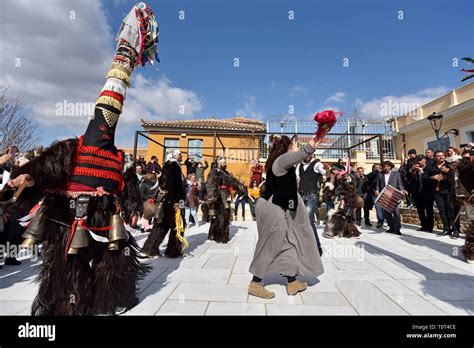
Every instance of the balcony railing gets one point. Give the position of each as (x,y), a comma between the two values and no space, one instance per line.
(347,127)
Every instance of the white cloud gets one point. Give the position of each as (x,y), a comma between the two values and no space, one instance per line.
(397,105)
(296,90)
(249,109)
(151,99)
(59,51)
(338,97)
(64,57)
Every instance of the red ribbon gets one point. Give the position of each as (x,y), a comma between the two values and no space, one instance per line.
(73,231)
(71,234)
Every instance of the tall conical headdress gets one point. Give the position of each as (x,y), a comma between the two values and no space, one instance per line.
(97,161)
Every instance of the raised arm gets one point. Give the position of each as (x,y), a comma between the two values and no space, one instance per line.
(284,162)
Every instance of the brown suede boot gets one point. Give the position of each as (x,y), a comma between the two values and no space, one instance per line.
(257,289)
(294,287)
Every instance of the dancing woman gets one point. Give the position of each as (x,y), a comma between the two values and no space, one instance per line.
(286,242)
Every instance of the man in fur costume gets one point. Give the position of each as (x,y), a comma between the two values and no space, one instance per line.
(167,214)
(90,261)
(340,221)
(218,200)
(131,198)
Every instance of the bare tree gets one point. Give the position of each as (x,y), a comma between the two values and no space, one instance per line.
(16,128)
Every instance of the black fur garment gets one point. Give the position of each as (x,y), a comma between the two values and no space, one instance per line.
(172,181)
(52,169)
(341,220)
(130,197)
(217,201)
(95,280)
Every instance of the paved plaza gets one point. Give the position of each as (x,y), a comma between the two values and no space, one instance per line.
(379,274)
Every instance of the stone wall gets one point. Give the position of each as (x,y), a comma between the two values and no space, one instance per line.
(410,216)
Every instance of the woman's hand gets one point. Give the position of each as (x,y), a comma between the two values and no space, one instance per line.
(315,143)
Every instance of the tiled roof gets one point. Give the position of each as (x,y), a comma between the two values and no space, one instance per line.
(230,124)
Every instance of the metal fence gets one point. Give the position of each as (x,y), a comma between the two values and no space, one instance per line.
(347,127)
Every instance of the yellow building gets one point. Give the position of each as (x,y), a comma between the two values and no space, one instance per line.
(413,130)
(140,151)
(238,139)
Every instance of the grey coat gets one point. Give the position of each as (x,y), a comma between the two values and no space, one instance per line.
(394,180)
(286,242)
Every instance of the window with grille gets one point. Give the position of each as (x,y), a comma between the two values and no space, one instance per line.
(171,144)
(195,148)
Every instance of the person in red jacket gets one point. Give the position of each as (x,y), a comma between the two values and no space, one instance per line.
(257,171)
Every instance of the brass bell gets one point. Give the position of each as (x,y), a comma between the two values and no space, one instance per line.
(80,238)
(117,231)
(73,251)
(28,243)
(35,231)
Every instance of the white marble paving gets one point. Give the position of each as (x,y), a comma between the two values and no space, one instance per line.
(210,292)
(416,305)
(14,307)
(454,290)
(456,307)
(220,261)
(283,309)
(152,298)
(227,308)
(324,299)
(214,275)
(177,307)
(378,274)
(367,299)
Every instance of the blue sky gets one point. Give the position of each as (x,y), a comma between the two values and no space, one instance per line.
(387,56)
(282,62)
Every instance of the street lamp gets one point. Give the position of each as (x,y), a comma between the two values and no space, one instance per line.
(436,120)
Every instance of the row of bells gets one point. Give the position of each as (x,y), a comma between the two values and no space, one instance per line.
(35,232)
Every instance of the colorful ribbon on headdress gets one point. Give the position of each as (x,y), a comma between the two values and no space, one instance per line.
(140,30)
